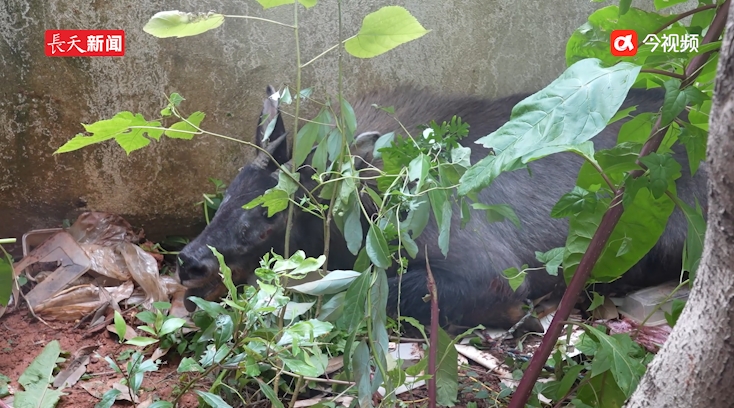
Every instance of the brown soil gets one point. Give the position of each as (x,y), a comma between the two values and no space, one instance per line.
(23,338)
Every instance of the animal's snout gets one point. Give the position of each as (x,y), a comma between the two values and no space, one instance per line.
(196,266)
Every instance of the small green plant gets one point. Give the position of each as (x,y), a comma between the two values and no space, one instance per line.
(133,374)
(211,201)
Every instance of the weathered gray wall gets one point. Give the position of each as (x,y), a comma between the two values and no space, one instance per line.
(485,47)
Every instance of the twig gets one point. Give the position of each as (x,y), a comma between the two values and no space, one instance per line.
(664,72)
(683,15)
(433,339)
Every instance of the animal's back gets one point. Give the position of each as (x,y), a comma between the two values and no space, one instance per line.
(481,250)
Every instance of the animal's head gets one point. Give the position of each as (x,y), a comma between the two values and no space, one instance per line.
(241,236)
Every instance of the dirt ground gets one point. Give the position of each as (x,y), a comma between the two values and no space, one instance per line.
(23,338)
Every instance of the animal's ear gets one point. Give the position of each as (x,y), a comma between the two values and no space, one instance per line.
(363,148)
(271,133)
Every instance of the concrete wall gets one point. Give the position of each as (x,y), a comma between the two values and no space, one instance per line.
(489,47)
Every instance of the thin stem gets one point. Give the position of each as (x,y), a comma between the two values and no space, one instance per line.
(664,72)
(683,15)
(263,19)
(332,48)
(291,208)
(8,240)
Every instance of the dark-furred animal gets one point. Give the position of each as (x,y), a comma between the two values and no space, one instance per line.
(471,287)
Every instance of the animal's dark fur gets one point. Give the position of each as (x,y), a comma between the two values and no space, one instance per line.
(471,287)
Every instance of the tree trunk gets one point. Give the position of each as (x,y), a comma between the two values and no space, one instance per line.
(695,368)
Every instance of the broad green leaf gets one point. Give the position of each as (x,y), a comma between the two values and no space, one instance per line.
(224,328)
(334,282)
(569,379)
(663,170)
(213,400)
(410,246)
(643,221)
(6,278)
(182,129)
(626,370)
(308,134)
(600,391)
(266,4)
(674,103)
(637,129)
(295,309)
(188,364)
(693,248)
(550,121)
(308,265)
(624,113)
(141,341)
(447,370)
(515,277)
(378,307)
(176,23)
(694,139)
(118,128)
(418,170)
(362,374)
(161,404)
(172,324)
(624,6)
(350,122)
(699,116)
(275,200)
(574,202)
(213,309)
(120,326)
(592,39)
(383,141)
(442,211)
(552,259)
(675,310)
(498,212)
(267,390)
(384,30)
(354,306)
(377,247)
(333,308)
(108,399)
(353,225)
(37,378)
(596,301)
(304,367)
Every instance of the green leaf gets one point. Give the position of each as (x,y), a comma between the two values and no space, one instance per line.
(675,310)
(37,378)
(352,225)
(625,247)
(674,102)
(694,139)
(624,6)
(275,200)
(275,3)
(354,303)
(377,247)
(118,128)
(350,121)
(549,121)
(267,390)
(171,324)
(663,170)
(624,113)
(596,301)
(141,341)
(161,404)
(577,200)
(552,259)
(693,247)
(498,212)
(225,271)
(661,4)
(447,370)
(627,371)
(184,130)
(515,277)
(362,373)
(6,277)
(120,326)
(383,141)
(699,116)
(418,170)
(442,211)
(308,134)
(213,400)
(108,399)
(333,308)
(176,23)
(188,364)
(568,380)
(334,282)
(384,30)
